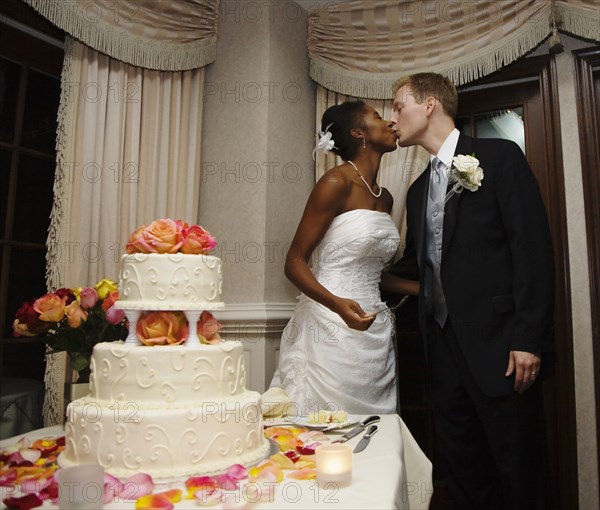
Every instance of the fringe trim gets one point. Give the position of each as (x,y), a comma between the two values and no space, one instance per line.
(460,71)
(55,261)
(54,378)
(581,22)
(135,50)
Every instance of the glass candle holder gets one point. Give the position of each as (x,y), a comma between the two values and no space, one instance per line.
(334,464)
(80,487)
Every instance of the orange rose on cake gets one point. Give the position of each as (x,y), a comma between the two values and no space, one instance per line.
(161,236)
(170,236)
(162,328)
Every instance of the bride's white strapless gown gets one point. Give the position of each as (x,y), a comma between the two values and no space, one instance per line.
(322,361)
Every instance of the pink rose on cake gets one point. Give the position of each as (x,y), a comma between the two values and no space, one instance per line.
(208,328)
(170,236)
(197,241)
(162,328)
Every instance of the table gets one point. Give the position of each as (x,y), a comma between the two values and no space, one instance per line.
(379,479)
(21,403)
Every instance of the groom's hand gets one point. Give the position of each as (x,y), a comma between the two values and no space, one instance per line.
(526,366)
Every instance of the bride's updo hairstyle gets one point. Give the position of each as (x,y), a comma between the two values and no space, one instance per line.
(343,117)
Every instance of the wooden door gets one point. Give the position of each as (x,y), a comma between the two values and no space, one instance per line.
(518,103)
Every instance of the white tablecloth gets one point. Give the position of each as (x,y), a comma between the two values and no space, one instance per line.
(379,477)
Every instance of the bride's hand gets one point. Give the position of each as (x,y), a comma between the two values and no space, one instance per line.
(353,315)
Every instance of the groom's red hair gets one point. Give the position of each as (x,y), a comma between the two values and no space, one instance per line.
(423,85)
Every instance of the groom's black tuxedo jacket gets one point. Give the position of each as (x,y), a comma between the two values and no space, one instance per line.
(497,265)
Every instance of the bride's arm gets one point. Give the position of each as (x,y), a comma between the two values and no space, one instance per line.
(392,283)
(325,201)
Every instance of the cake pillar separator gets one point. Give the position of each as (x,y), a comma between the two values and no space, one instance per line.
(132,317)
(192,317)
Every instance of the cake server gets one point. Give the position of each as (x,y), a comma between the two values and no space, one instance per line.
(362,444)
(384,307)
(358,429)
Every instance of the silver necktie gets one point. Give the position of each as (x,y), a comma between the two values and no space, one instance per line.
(437,193)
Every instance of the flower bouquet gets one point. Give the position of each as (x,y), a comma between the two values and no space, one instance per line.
(74,320)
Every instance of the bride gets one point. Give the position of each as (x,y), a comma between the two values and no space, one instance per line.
(337,350)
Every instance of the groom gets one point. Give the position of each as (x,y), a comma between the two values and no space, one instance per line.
(483,255)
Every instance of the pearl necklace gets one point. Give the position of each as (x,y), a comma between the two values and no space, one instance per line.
(376,195)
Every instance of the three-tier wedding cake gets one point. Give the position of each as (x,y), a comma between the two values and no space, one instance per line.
(167,410)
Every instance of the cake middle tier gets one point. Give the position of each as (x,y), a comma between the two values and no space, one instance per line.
(172,375)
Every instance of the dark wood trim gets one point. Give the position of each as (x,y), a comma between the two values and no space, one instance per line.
(23,13)
(589,142)
(563,327)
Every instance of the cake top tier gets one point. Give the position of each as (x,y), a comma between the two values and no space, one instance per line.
(171,236)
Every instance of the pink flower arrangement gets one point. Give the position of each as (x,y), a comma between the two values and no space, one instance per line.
(74,320)
(171,236)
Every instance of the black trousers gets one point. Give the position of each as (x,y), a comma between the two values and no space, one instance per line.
(492,450)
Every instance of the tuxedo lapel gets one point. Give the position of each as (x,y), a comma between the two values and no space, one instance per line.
(422,226)
(464,146)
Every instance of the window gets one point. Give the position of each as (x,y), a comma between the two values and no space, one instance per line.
(29,98)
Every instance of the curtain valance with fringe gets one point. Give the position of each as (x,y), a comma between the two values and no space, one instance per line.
(153,34)
(361,47)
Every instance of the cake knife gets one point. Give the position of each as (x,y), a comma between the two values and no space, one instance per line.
(358,429)
(385,307)
(362,444)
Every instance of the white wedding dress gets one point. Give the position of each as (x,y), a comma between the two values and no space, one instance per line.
(321,360)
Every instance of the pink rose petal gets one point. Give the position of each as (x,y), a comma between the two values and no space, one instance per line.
(112,488)
(31,486)
(207,496)
(136,486)
(7,479)
(237,472)
(226,483)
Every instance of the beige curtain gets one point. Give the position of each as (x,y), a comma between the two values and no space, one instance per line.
(361,47)
(154,34)
(128,152)
(398,169)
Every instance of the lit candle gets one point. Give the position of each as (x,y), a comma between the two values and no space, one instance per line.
(334,464)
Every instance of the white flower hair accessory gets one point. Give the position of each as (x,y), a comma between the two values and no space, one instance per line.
(325,141)
(465,172)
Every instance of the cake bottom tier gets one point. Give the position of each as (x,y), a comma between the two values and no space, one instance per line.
(165,443)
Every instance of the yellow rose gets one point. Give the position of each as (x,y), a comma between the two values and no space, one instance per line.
(104,287)
(50,307)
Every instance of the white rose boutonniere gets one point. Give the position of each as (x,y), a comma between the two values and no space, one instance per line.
(464,173)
